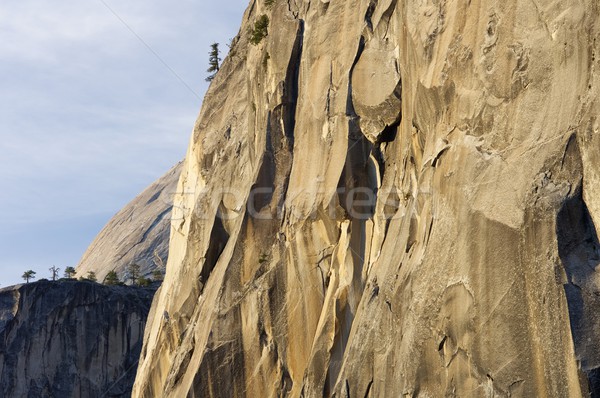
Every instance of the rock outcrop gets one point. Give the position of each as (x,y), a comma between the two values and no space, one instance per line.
(70,339)
(139,233)
(389,198)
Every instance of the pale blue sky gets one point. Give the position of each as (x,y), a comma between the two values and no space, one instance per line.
(89,116)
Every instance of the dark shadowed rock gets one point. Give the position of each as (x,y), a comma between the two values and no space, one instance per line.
(70,339)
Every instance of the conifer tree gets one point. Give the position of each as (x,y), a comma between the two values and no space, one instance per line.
(27,275)
(91,276)
(111,278)
(213,61)
(69,272)
(134,273)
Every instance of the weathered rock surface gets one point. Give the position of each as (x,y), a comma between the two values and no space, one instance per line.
(470,272)
(70,339)
(139,233)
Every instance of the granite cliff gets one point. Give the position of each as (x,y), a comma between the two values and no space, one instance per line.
(389,198)
(139,233)
(70,339)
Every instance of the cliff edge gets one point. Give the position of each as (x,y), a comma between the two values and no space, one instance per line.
(70,339)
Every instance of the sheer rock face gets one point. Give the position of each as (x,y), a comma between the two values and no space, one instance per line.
(471,272)
(139,233)
(70,339)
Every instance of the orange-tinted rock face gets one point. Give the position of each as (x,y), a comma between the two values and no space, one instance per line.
(389,198)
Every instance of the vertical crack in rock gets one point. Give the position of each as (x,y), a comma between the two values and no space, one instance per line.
(290,96)
(579,251)
(350,112)
(369,14)
(217,242)
(264,186)
(282,124)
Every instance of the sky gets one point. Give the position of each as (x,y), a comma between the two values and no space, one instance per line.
(98,99)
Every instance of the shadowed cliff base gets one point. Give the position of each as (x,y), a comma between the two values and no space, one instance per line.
(70,339)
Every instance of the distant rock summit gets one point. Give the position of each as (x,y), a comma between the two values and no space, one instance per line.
(70,339)
(139,233)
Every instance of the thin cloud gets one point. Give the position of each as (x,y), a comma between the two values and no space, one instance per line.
(89,115)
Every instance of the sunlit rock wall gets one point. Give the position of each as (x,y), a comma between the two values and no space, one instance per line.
(389,198)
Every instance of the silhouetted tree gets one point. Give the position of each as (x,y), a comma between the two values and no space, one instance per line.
(134,273)
(27,275)
(69,272)
(213,61)
(91,276)
(54,270)
(111,278)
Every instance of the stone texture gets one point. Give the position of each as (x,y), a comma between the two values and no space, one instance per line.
(70,339)
(471,272)
(139,233)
